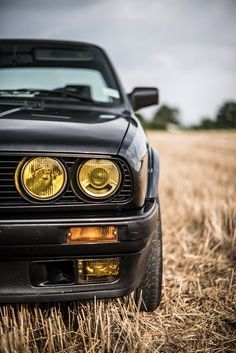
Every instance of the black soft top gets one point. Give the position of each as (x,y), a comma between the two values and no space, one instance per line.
(40,52)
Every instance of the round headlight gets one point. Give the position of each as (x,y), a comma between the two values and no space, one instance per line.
(98,178)
(43,178)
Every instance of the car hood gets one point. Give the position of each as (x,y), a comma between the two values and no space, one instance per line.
(67,131)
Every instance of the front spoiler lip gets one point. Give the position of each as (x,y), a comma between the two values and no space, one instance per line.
(66,296)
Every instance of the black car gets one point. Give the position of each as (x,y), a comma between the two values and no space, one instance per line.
(79,207)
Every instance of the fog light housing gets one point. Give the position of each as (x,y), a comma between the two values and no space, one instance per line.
(77,235)
(98,270)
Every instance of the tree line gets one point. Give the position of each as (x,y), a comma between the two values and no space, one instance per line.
(167,117)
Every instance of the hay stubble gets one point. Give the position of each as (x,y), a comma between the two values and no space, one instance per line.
(198,309)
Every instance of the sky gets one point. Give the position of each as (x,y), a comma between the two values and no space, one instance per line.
(186,48)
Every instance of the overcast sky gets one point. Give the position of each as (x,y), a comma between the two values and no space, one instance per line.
(187,48)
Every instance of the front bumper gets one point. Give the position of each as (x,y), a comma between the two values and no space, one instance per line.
(24,241)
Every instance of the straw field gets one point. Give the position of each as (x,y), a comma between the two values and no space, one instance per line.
(198,308)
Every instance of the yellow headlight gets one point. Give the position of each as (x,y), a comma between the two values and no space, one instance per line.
(98,178)
(43,178)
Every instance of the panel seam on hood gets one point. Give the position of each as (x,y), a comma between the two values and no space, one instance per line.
(121,143)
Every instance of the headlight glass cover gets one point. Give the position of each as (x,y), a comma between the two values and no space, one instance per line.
(43,178)
(98,178)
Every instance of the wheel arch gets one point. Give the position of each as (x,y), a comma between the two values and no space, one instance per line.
(153,173)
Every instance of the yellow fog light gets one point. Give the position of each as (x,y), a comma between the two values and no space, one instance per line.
(101,270)
(98,178)
(76,235)
(43,178)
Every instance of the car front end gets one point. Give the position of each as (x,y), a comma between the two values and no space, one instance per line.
(78,185)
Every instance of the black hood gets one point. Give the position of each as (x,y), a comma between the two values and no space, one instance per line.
(67,131)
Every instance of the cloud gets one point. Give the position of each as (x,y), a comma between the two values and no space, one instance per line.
(186,47)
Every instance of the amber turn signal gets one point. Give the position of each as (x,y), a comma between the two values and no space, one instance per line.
(76,235)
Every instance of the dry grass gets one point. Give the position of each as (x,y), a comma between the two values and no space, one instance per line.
(198,310)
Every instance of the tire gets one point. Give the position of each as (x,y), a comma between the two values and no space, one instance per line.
(148,295)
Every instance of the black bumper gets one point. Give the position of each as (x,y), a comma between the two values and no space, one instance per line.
(25,241)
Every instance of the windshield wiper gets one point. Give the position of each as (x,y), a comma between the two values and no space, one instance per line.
(58,92)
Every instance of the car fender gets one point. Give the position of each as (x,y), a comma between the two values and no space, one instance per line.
(153,173)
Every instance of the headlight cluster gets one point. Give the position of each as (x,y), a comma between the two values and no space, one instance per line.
(45,178)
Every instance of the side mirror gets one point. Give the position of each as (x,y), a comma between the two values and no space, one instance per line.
(142,97)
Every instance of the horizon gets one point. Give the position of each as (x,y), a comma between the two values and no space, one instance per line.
(188,52)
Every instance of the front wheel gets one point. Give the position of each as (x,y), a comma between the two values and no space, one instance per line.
(148,294)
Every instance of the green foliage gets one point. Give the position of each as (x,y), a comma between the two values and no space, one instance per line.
(225,118)
(158,123)
(143,122)
(207,124)
(163,116)
(166,115)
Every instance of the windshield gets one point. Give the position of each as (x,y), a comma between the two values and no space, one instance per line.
(84,73)
(86,83)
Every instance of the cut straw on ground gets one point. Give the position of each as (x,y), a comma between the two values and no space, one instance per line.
(198,308)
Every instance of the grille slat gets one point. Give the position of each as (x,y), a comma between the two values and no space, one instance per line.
(6,186)
(9,195)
